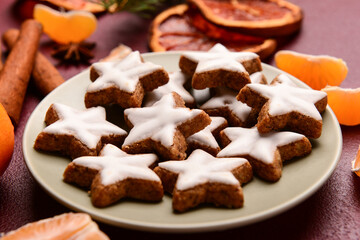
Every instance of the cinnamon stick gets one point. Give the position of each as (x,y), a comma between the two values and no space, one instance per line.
(15,75)
(45,76)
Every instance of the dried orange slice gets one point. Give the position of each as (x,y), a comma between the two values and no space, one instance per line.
(267,18)
(315,71)
(6,139)
(356,163)
(173,29)
(65,27)
(85,5)
(345,104)
(75,226)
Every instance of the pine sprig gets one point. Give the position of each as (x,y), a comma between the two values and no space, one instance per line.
(144,8)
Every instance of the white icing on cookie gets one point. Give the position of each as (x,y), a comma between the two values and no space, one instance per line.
(219,57)
(226,97)
(201,167)
(258,77)
(205,136)
(285,98)
(283,79)
(87,125)
(248,141)
(124,74)
(157,122)
(115,165)
(175,84)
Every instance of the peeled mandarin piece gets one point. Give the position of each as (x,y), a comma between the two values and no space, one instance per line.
(65,27)
(316,71)
(345,104)
(6,139)
(183,28)
(356,163)
(65,226)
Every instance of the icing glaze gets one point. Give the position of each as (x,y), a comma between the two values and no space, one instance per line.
(226,97)
(285,98)
(175,84)
(248,141)
(124,74)
(205,136)
(219,57)
(115,165)
(201,167)
(257,77)
(283,79)
(87,125)
(157,122)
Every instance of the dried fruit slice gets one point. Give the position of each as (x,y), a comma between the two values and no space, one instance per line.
(267,18)
(315,71)
(345,104)
(86,5)
(75,226)
(356,163)
(173,29)
(65,27)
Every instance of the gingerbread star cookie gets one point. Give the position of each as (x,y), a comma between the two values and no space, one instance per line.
(114,175)
(219,67)
(225,104)
(123,82)
(266,152)
(206,139)
(176,84)
(283,106)
(202,178)
(76,133)
(163,127)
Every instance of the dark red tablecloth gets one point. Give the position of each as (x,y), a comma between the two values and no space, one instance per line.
(330,27)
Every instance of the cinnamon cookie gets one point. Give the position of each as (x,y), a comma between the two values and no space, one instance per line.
(202,178)
(123,82)
(219,67)
(114,175)
(76,133)
(266,152)
(163,127)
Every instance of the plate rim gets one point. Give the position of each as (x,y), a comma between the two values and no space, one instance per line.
(193,227)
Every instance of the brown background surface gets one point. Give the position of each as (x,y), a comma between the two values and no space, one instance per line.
(330,27)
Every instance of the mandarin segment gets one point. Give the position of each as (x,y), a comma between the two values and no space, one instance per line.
(75,226)
(65,27)
(345,104)
(316,71)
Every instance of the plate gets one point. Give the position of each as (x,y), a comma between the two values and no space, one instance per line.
(300,179)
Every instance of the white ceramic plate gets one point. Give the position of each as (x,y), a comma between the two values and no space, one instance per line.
(301,177)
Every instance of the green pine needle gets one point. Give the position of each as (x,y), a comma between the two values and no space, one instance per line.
(144,8)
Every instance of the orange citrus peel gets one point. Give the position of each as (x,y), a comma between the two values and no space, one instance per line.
(65,27)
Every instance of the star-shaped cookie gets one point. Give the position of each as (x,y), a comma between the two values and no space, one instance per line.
(76,133)
(202,178)
(225,104)
(206,139)
(219,67)
(283,106)
(123,82)
(114,175)
(266,152)
(163,127)
(176,84)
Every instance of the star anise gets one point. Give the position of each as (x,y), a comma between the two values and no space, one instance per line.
(74,52)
